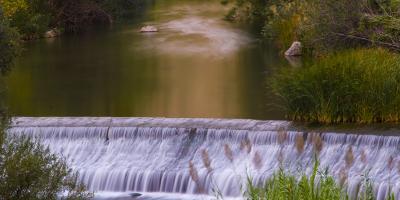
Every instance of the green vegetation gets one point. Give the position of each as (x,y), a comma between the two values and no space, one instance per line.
(319,186)
(359,86)
(283,186)
(34,17)
(324,25)
(9,44)
(27,169)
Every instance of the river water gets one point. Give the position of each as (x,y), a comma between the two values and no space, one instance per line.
(197,65)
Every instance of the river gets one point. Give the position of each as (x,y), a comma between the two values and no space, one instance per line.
(197,65)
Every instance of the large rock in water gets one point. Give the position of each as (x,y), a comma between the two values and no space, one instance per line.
(294,50)
(52,33)
(147,29)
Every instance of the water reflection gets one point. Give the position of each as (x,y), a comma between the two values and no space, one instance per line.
(198,65)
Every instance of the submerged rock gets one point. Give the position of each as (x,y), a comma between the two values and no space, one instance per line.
(147,29)
(52,33)
(134,195)
(294,50)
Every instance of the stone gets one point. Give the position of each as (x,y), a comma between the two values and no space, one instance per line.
(52,33)
(294,50)
(147,29)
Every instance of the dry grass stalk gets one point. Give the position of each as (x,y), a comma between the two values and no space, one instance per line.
(349,157)
(257,160)
(318,143)
(363,157)
(195,177)
(299,144)
(280,157)
(228,152)
(391,162)
(343,175)
(206,160)
(246,145)
(193,172)
(282,136)
(398,166)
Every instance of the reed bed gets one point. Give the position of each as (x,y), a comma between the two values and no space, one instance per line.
(353,86)
(318,186)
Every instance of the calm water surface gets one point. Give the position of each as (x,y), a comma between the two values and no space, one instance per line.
(198,65)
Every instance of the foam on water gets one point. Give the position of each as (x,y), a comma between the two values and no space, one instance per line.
(197,156)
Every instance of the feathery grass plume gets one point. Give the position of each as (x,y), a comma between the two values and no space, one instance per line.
(282,136)
(390,162)
(228,152)
(349,157)
(343,175)
(257,160)
(318,143)
(193,172)
(398,166)
(299,144)
(195,177)
(363,157)
(206,160)
(280,157)
(246,145)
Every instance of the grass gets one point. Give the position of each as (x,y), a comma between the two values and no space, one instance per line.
(353,86)
(319,186)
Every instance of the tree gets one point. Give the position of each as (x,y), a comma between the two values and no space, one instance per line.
(9,44)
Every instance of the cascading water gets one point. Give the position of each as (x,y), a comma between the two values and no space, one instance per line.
(201,155)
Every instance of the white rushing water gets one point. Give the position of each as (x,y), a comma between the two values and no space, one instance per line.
(199,156)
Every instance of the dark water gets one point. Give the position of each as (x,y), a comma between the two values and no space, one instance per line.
(198,65)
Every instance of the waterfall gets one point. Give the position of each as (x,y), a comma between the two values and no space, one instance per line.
(194,156)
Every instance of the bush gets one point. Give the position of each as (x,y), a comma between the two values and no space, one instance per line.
(29,171)
(359,86)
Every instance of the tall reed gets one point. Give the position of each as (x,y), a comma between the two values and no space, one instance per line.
(354,86)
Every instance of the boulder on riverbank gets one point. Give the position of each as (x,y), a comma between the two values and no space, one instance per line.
(295,49)
(52,33)
(148,29)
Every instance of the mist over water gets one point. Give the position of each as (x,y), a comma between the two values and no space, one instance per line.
(200,156)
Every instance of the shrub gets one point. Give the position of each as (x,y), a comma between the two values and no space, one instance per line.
(352,86)
(29,171)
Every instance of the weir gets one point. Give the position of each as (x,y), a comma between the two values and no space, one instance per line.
(194,156)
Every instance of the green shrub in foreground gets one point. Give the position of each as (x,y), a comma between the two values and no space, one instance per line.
(319,186)
(359,86)
(283,186)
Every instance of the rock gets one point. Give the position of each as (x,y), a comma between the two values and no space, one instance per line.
(147,29)
(134,195)
(294,50)
(52,33)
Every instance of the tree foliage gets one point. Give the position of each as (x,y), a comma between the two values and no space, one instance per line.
(9,44)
